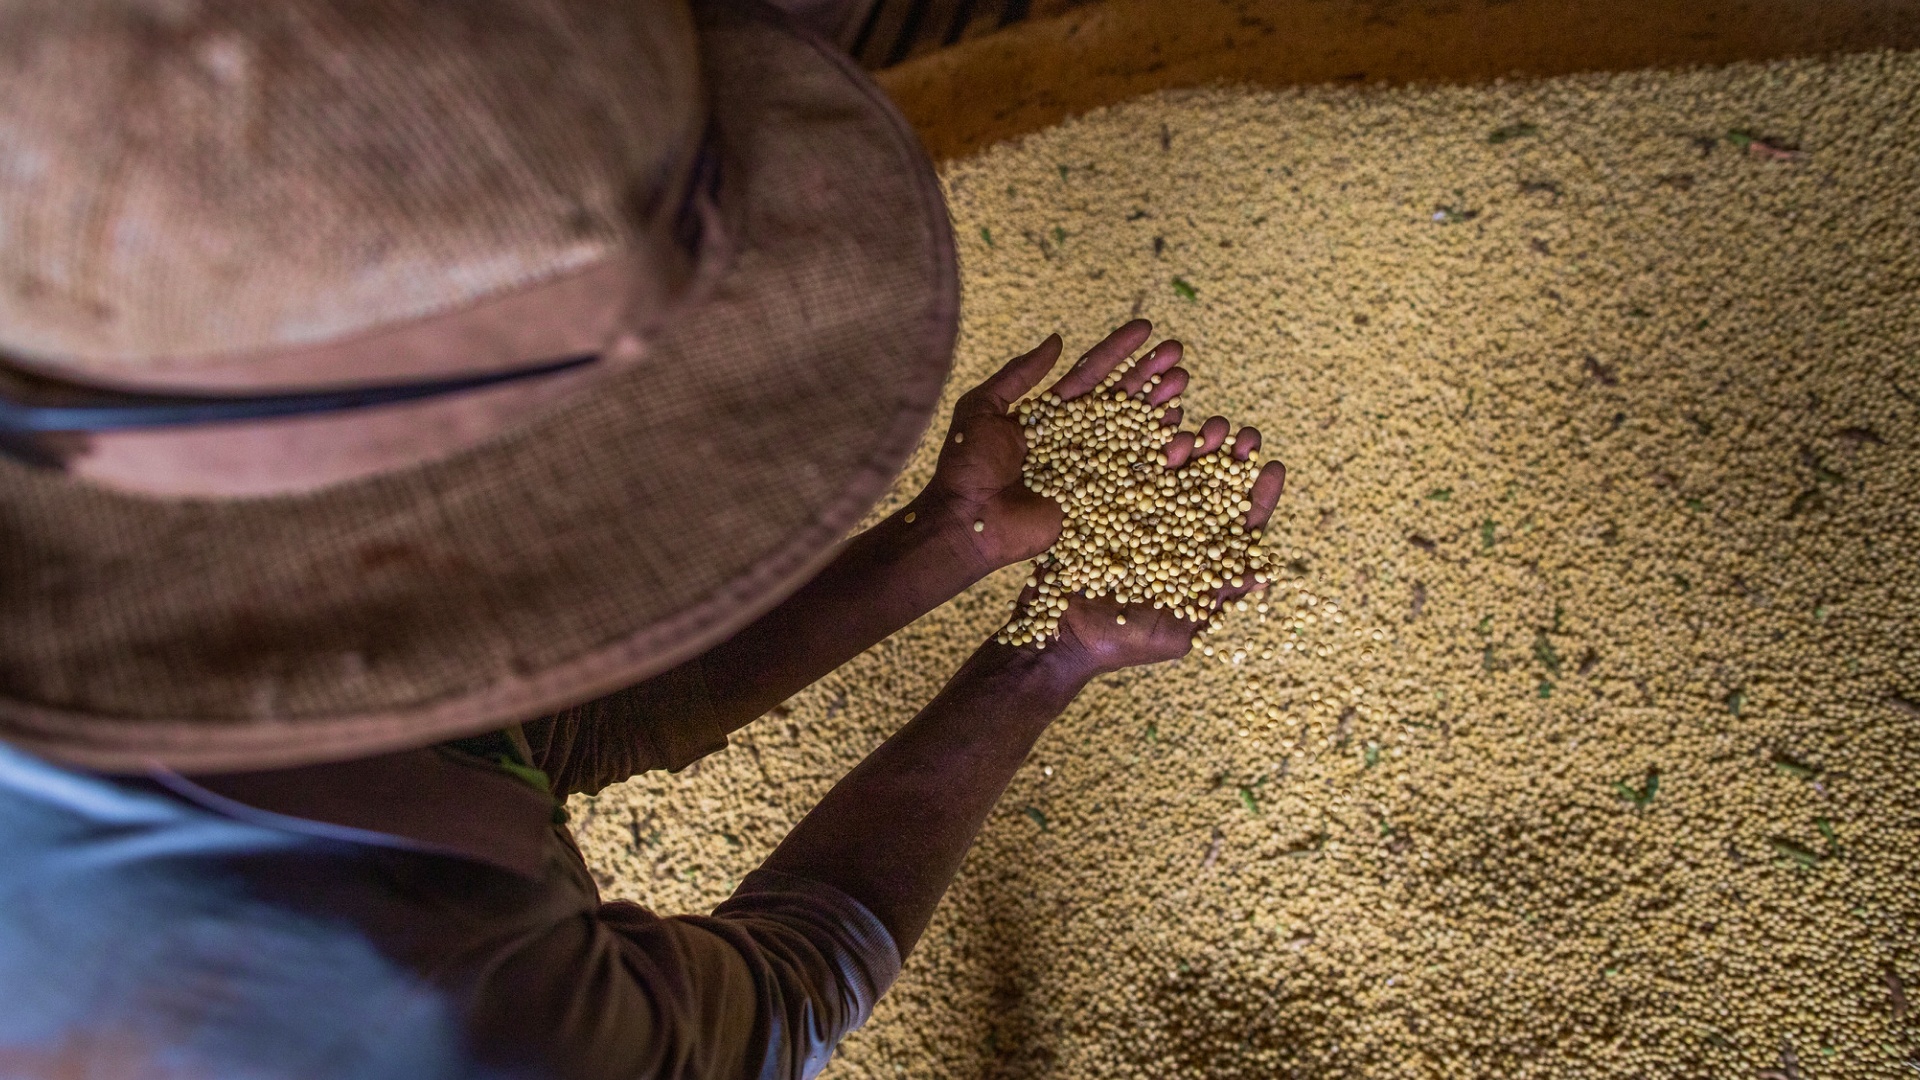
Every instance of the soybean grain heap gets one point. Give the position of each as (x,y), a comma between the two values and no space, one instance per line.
(1134,529)
(1581,735)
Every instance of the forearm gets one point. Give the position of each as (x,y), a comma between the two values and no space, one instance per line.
(882,580)
(893,832)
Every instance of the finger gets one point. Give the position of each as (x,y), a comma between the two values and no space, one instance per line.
(1179,449)
(1265,493)
(1021,374)
(1212,434)
(1160,358)
(1103,358)
(1170,386)
(1245,443)
(1172,419)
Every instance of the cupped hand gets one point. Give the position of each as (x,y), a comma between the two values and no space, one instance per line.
(978,475)
(1097,634)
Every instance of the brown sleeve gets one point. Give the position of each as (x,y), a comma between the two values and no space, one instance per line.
(666,722)
(765,987)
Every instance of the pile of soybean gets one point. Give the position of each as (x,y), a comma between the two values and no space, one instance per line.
(1581,736)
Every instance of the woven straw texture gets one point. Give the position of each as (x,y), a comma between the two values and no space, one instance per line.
(397,157)
(603,542)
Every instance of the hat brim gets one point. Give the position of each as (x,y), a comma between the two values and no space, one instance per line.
(602,543)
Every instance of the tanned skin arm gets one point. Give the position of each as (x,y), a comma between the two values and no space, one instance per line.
(899,570)
(893,832)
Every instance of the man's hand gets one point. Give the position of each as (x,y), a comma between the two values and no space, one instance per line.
(901,569)
(893,832)
(978,476)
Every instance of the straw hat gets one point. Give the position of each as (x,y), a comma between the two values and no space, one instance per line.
(680,285)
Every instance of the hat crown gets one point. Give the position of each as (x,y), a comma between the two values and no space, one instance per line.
(187,179)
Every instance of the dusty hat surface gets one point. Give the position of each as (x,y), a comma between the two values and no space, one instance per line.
(604,541)
(181,183)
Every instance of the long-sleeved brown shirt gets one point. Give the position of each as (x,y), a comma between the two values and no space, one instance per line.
(417,915)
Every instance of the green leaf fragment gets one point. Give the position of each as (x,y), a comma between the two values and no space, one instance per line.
(1742,138)
(1513,131)
(1643,795)
(1441,494)
(987,235)
(1373,754)
(1486,534)
(1059,235)
(1793,767)
(1546,689)
(1063,172)
(1735,700)
(1543,651)
(1826,830)
(1185,289)
(1797,853)
(1246,800)
(1039,818)
(1153,731)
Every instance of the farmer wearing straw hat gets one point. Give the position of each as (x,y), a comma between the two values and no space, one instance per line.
(413,412)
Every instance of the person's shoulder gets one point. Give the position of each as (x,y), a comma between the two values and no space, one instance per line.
(142,926)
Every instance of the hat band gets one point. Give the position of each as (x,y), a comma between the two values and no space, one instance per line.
(35,405)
